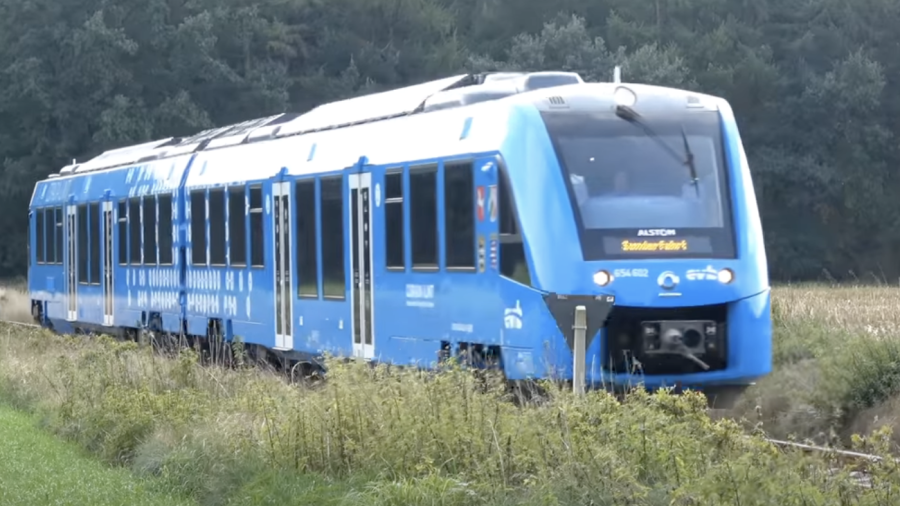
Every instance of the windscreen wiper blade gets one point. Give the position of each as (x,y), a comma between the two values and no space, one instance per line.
(690,161)
(630,115)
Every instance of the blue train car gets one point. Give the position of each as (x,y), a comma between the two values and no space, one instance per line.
(464,216)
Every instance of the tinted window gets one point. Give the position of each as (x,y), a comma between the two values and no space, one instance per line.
(149,226)
(165,229)
(257,247)
(459,216)
(40,233)
(198,227)
(82,240)
(237,226)
(305,194)
(96,221)
(58,244)
(334,284)
(134,229)
(393,221)
(423,217)
(123,232)
(631,192)
(217,226)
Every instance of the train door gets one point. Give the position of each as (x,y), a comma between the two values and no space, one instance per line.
(108,224)
(361,254)
(72,267)
(284,302)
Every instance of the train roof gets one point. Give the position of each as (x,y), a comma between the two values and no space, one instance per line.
(451,92)
(456,92)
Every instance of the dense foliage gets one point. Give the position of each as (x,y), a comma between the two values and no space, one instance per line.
(809,81)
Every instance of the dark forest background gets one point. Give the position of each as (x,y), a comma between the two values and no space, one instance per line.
(814,84)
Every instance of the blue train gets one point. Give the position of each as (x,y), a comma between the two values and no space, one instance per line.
(464,216)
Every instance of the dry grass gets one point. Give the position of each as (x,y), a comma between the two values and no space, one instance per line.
(15,304)
(837,364)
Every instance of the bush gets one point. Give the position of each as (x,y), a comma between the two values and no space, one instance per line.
(379,435)
(837,364)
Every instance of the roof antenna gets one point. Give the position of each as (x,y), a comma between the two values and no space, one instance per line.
(617,74)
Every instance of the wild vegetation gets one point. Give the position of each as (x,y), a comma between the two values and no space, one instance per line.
(388,436)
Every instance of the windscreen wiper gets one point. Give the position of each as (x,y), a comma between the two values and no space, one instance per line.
(630,115)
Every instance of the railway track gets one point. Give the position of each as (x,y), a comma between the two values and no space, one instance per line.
(860,461)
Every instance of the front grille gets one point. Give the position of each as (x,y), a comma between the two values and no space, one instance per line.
(625,347)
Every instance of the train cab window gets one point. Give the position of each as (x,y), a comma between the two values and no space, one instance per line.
(513,263)
(58,232)
(334,283)
(165,229)
(237,226)
(40,235)
(394,233)
(307,252)
(217,227)
(423,218)
(134,230)
(123,232)
(81,238)
(95,232)
(257,235)
(149,225)
(459,216)
(198,227)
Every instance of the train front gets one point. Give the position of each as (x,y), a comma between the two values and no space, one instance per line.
(644,193)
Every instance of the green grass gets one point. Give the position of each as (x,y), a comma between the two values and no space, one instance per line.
(37,468)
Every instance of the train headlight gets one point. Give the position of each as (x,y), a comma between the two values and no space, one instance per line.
(726,276)
(624,97)
(602,278)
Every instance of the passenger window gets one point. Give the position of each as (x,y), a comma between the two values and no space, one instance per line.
(59,235)
(165,229)
(49,236)
(148,219)
(123,232)
(257,235)
(95,231)
(334,281)
(423,218)
(394,256)
(198,227)
(217,227)
(307,253)
(39,230)
(134,229)
(237,227)
(459,216)
(81,225)
(513,263)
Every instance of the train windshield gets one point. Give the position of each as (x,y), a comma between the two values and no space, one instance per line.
(633,193)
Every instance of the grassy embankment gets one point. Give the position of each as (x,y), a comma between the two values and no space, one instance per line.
(37,468)
(247,437)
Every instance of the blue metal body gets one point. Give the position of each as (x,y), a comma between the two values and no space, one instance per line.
(413,313)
